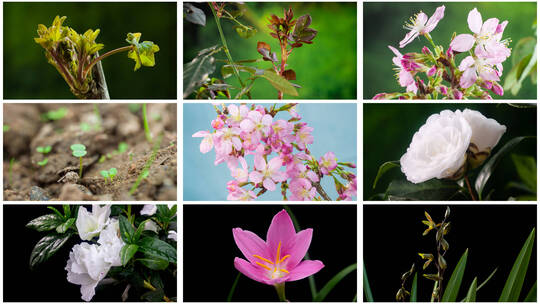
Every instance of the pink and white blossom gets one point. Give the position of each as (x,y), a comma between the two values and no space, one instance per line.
(420,25)
(267,173)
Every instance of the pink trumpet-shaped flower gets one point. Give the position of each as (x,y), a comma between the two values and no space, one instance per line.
(279,259)
(420,25)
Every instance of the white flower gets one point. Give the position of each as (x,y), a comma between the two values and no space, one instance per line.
(149,210)
(90,225)
(172,235)
(152,226)
(111,243)
(439,148)
(86,267)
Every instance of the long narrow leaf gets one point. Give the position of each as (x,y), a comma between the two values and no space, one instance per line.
(514,283)
(452,289)
(484,283)
(383,169)
(471,294)
(414,288)
(321,295)
(367,288)
(531,296)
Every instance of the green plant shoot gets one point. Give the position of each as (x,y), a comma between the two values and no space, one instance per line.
(79,150)
(44,150)
(43,162)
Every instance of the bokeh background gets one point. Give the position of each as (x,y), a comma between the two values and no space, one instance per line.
(494,235)
(383,26)
(28,75)
(210,250)
(334,130)
(389,129)
(325,69)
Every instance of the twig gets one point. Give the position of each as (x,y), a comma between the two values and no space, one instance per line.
(321,191)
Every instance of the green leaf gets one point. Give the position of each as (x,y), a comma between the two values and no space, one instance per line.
(321,295)
(157,248)
(154,295)
(127,252)
(55,211)
(233,287)
(78,147)
(531,295)
(245,32)
(126,229)
(79,153)
(196,71)
(367,288)
(45,222)
(525,46)
(431,190)
(46,247)
(514,283)
(194,15)
(143,52)
(452,288)
(154,263)
(280,83)
(67,210)
(414,288)
(526,168)
(140,229)
(491,164)
(471,294)
(383,169)
(65,226)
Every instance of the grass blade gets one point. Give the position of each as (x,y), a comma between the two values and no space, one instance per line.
(414,288)
(485,282)
(531,296)
(471,295)
(367,288)
(452,289)
(233,287)
(321,295)
(514,283)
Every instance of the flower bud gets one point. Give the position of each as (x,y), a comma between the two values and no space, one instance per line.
(497,89)
(426,50)
(431,71)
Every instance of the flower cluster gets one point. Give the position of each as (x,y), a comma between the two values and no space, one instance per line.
(473,78)
(274,143)
(449,143)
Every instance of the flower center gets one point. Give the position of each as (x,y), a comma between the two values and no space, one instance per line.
(274,268)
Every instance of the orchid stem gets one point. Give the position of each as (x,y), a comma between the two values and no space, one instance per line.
(469,187)
(280,289)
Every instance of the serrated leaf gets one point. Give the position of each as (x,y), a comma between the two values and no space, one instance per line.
(383,169)
(280,83)
(157,248)
(126,229)
(514,282)
(127,252)
(46,247)
(45,222)
(471,294)
(526,168)
(65,226)
(431,190)
(452,288)
(194,14)
(196,71)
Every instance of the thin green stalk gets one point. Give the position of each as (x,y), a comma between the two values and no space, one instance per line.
(80,167)
(280,289)
(233,287)
(98,116)
(109,53)
(226,49)
(145,122)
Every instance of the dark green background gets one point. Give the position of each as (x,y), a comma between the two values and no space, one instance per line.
(28,75)
(383,26)
(325,69)
(389,128)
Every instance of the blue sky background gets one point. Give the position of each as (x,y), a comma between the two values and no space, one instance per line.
(334,130)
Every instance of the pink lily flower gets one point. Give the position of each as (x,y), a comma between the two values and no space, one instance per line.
(208,141)
(420,25)
(279,259)
(268,174)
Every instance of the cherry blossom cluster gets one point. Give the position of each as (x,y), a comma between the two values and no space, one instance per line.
(275,144)
(476,75)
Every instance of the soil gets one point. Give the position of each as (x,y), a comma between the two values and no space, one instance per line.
(101,134)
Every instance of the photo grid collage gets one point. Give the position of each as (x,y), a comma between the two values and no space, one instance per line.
(156,189)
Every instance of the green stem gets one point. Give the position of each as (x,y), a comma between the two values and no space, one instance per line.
(428,37)
(109,53)
(233,287)
(226,49)
(280,289)
(145,122)
(80,167)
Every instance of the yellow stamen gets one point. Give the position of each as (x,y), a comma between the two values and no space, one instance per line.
(263,266)
(284,270)
(278,249)
(260,257)
(283,258)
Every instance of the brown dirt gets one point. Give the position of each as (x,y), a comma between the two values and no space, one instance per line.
(58,179)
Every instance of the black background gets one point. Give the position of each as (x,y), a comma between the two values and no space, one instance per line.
(48,280)
(494,235)
(209,250)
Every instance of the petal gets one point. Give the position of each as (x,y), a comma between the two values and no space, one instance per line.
(267,120)
(233,109)
(269,184)
(298,247)
(255,116)
(260,163)
(305,269)
(490,26)
(475,21)
(433,20)
(468,78)
(281,230)
(279,176)
(250,271)
(409,37)
(421,18)
(250,243)
(488,73)
(255,176)
(274,164)
(247,125)
(395,51)
(200,134)
(243,163)
(466,63)
(462,42)
(88,291)
(206,145)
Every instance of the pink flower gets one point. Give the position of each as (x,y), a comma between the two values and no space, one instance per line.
(479,66)
(217,123)
(405,77)
(302,190)
(279,259)
(497,89)
(432,71)
(420,25)
(268,174)
(241,194)
(226,139)
(304,137)
(257,123)
(328,162)
(207,143)
(241,174)
(237,114)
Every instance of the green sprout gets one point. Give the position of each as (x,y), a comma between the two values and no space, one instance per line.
(109,174)
(79,150)
(44,150)
(122,147)
(43,162)
(134,107)
(55,114)
(146,127)
(6,128)
(131,156)
(85,127)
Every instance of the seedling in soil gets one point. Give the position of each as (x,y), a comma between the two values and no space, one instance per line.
(146,169)
(79,150)
(134,107)
(109,174)
(146,127)
(122,147)
(85,127)
(43,162)
(131,156)
(55,114)
(6,128)
(44,150)
(145,174)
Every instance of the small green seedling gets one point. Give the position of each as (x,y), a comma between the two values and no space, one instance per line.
(145,173)
(44,150)
(6,128)
(56,114)
(131,156)
(122,147)
(134,107)
(43,162)
(109,174)
(79,150)
(85,127)
(145,123)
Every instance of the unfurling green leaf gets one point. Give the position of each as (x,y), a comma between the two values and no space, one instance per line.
(194,15)
(245,32)
(46,247)
(142,52)
(45,222)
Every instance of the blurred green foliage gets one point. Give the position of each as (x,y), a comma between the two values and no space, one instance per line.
(383,26)
(389,129)
(28,75)
(325,70)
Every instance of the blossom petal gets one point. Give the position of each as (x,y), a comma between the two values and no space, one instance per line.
(395,51)
(266,120)
(249,270)
(256,116)
(409,37)
(305,269)
(260,163)
(88,291)
(466,63)
(434,19)
(468,78)
(200,134)
(298,247)
(206,144)
(247,125)
(274,164)
(269,184)
(281,230)
(490,26)
(475,21)
(255,177)
(462,42)
(250,243)
(421,18)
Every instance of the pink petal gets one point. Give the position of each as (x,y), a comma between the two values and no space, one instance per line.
(237,143)
(279,176)
(269,184)
(468,78)
(409,37)
(395,51)
(466,63)
(249,243)
(405,78)
(421,18)
(312,176)
(432,22)
(267,120)
(260,163)
(475,21)
(462,42)
(490,26)
(255,177)
(488,73)
(298,247)
(274,164)
(247,125)
(281,230)
(250,271)
(233,109)
(200,134)
(255,116)
(305,269)
(243,163)
(206,144)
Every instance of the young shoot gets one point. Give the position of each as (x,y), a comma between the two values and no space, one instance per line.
(54,115)
(145,122)
(43,162)
(79,150)
(85,127)
(44,150)
(122,147)
(109,174)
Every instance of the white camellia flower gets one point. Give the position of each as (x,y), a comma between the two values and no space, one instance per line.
(149,210)
(439,148)
(89,225)
(86,267)
(111,243)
